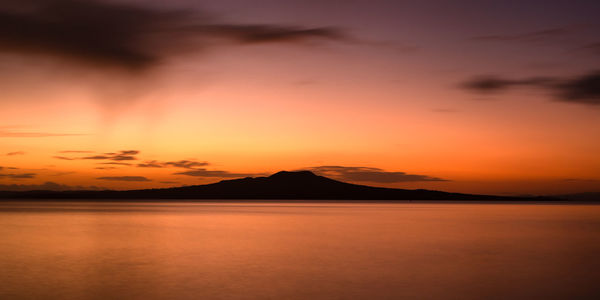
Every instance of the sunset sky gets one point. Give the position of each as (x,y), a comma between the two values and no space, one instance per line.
(465,96)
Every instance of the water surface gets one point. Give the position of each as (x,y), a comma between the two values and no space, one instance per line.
(159,250)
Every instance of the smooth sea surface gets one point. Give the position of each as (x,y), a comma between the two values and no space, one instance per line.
(249,250)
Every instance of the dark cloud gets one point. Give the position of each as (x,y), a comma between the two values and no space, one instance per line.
(120,156)
(18,176)
(124,178)
(186,164)
(151,164)
(123,155)
(267,33)
(15,153)
(215,174)
(524,37)
(583,89)
(63,158)
(48,186)
(129,152)
(494,84)
(129,36)
(97,157)
(367,174)
(8,168)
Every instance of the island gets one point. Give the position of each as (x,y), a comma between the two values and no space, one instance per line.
(284,185)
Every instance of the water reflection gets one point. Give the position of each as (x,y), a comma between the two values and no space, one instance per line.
(298,251)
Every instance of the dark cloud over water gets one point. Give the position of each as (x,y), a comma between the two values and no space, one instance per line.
(128,36)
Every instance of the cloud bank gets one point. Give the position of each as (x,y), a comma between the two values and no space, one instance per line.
(367,174)
(126,35)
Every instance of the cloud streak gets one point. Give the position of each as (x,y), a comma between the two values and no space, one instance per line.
(215,174)
(186,164)
(367,174)
(123,155)
(582,89)
(15,153)
(125,178)
(128,36)
(18,176)
(63,157)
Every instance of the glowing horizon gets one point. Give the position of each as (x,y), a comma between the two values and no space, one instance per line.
(409,96)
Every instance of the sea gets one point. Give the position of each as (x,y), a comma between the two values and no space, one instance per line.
(298,250)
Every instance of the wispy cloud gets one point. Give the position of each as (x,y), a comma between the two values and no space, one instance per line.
(18,176)
(64,158)
(367,174)
(124,178)
(123,155)
(215,174)
(8,168)
(582,89)
(15,153)
(119,156)
(186,164)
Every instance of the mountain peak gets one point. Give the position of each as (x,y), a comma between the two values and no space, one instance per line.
(293,174)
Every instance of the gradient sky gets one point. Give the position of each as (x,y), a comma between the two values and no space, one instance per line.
(468,96)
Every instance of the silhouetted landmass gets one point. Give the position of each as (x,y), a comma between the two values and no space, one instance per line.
(592,196)
(301,185)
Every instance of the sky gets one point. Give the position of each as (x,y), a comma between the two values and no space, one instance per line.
(464,96)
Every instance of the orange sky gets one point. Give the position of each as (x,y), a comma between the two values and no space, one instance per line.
(386,99)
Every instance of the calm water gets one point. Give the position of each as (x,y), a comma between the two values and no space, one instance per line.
(298,251)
